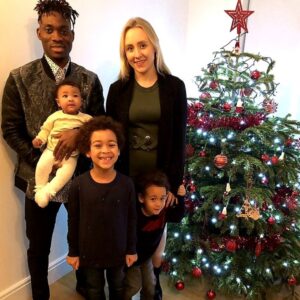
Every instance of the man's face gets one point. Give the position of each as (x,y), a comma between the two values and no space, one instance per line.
(56,36)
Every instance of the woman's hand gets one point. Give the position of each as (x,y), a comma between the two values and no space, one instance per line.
(181,190)
(171,199)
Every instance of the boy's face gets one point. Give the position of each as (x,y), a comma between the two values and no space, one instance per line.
(104,149)
(69,99)
(154,200)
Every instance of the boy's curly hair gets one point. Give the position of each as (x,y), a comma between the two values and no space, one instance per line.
(95,124)
(155,177)
(60,6)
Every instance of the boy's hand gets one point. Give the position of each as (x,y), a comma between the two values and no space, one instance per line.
(130,259)
(37,143)
(181,190)
(73,261)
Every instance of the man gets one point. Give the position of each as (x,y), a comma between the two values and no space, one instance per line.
(27,101)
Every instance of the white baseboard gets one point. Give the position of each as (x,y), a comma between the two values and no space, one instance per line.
(58,269)
(21,290)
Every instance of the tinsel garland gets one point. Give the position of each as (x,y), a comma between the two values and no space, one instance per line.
(207,123)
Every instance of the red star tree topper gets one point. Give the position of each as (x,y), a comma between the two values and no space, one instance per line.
(239,17)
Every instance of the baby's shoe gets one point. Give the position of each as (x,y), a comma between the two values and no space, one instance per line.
(43,196)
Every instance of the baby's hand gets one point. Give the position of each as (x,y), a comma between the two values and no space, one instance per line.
(181,190)
(37,143)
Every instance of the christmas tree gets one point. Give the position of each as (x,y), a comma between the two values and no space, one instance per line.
(241,229)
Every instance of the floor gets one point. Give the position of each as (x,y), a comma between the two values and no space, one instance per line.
(63,289)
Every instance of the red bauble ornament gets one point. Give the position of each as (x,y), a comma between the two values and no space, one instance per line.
(211,294)
(291,203)
(198,106)
(239,109)
(179,285)
(265,157)
(189,150)
(292,281)
(255,75)
(191,188)
(214,85)
(202,153)
(189,205)
(289,142)
(214,246)
(220,161)
(246,92)
(165,266)
(205,96)
(258,249)
(271,220)
(227,107)
(231,245)
(274,160)
(222,216)
(196,272)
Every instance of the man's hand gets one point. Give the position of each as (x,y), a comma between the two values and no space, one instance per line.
(66,144)
(37,143)
(73,261)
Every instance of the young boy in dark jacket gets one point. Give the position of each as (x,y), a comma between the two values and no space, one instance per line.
(152,216)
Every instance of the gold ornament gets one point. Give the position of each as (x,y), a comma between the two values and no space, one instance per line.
(249,211)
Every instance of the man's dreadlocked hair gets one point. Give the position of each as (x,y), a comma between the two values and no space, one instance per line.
(60,6)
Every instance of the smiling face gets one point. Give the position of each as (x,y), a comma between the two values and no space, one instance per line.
(140,52)
(56,36)
(69,99)
(104,150)
(153,200)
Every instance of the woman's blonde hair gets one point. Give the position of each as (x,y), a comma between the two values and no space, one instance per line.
(159,63)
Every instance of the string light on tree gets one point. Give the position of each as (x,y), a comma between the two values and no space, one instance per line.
(242,179)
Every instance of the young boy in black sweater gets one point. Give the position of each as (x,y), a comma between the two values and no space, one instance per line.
(152,216)
(102,212)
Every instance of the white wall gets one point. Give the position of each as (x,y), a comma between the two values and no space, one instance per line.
(190,31)
(275,32)
(97,35)
(100,23)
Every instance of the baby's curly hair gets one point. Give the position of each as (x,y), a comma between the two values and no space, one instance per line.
(60,6)
(66,82)
(95,124)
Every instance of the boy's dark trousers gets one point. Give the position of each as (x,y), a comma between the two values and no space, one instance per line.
(158,289)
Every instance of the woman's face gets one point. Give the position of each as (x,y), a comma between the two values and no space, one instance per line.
(140,52)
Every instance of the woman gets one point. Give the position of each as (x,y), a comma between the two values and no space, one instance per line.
(151,104)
